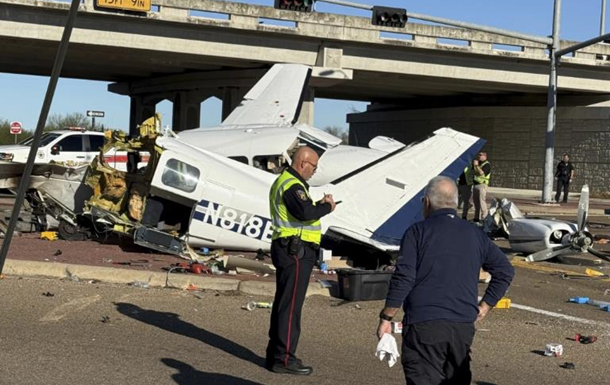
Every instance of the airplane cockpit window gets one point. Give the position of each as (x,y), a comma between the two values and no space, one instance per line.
(180,175)
(270,163)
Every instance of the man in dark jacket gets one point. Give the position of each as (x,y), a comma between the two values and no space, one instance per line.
(436,282)
(564,175)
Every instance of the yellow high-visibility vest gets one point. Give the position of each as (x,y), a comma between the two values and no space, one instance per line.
(284,224)
(482,179)
(469,175)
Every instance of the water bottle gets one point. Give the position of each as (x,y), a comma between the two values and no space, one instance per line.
(324,268)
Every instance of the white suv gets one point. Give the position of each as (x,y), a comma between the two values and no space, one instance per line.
(73,146)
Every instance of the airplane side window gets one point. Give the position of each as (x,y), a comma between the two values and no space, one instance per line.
(180,175)
(269,163)
(240,159)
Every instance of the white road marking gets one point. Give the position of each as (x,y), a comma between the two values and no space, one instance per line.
(557,315)
(68,307)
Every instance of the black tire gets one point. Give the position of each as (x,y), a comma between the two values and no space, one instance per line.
(69,232)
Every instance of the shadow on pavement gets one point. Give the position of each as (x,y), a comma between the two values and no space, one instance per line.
(172,323)
(538,352)
(187,375)
(484,383)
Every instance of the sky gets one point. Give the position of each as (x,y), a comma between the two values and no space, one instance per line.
(21,96)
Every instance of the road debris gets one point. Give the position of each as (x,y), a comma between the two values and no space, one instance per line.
(48,294)
(57,253)
(105,319)
(250,306)
(358,307)
(595,273)
(585,340)
(568,365)
(579,300)
(231,262)
(503,303)
(192,287)
(72,277)
(49,235)
(141,284)
(553,350)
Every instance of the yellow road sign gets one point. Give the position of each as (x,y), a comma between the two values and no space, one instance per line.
(129,5)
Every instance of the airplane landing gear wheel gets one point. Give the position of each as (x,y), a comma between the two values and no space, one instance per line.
(70,232)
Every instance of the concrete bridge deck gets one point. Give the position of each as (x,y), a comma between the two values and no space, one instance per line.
(419,61)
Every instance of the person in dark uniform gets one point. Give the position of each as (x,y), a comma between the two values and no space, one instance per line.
(564,175)
(296,240)
(436,282)
(465,182)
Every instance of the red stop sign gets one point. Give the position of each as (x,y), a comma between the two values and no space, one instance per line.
(15,128)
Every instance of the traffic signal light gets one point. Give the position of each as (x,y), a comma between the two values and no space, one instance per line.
(389,17)
(295,5)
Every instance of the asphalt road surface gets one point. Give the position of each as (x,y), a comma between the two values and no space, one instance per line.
(56,332)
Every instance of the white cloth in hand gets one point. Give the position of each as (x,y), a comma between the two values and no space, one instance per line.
(387,346)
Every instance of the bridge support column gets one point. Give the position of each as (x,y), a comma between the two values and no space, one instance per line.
(187,110)
(231,98)
(140,109)
(307,109)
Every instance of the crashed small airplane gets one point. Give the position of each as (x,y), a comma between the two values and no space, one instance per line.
(544,239)
(209,188)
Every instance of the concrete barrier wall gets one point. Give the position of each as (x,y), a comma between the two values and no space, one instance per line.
(515,139)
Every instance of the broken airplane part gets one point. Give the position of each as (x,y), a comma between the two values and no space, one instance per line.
(546,239)
(262,131)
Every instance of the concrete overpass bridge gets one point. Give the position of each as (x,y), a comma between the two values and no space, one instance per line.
(177,54)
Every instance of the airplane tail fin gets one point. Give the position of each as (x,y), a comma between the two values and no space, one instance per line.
(276,99)
(382,199)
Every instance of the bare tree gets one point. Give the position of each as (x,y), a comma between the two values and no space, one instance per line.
(338,132)
(61,122)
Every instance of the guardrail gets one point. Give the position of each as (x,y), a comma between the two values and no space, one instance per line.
(334,27)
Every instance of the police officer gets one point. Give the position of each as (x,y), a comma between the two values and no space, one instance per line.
(296,240)
(481,174)
(465,190)
(564,175)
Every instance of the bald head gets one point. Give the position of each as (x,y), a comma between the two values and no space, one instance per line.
(305,162)
(442,193)
(303,154)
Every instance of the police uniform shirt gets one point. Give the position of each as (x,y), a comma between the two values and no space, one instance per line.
(299,204)
(564,170)
(462,181)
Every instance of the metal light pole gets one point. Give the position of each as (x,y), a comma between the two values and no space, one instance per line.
(602,20)
(547,188)
(44,112)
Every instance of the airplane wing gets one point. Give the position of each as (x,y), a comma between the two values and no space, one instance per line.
(382,199)
(276,98)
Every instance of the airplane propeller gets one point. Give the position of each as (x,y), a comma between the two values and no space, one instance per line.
(581,240)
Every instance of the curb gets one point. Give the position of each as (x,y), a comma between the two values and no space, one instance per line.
(154,279)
